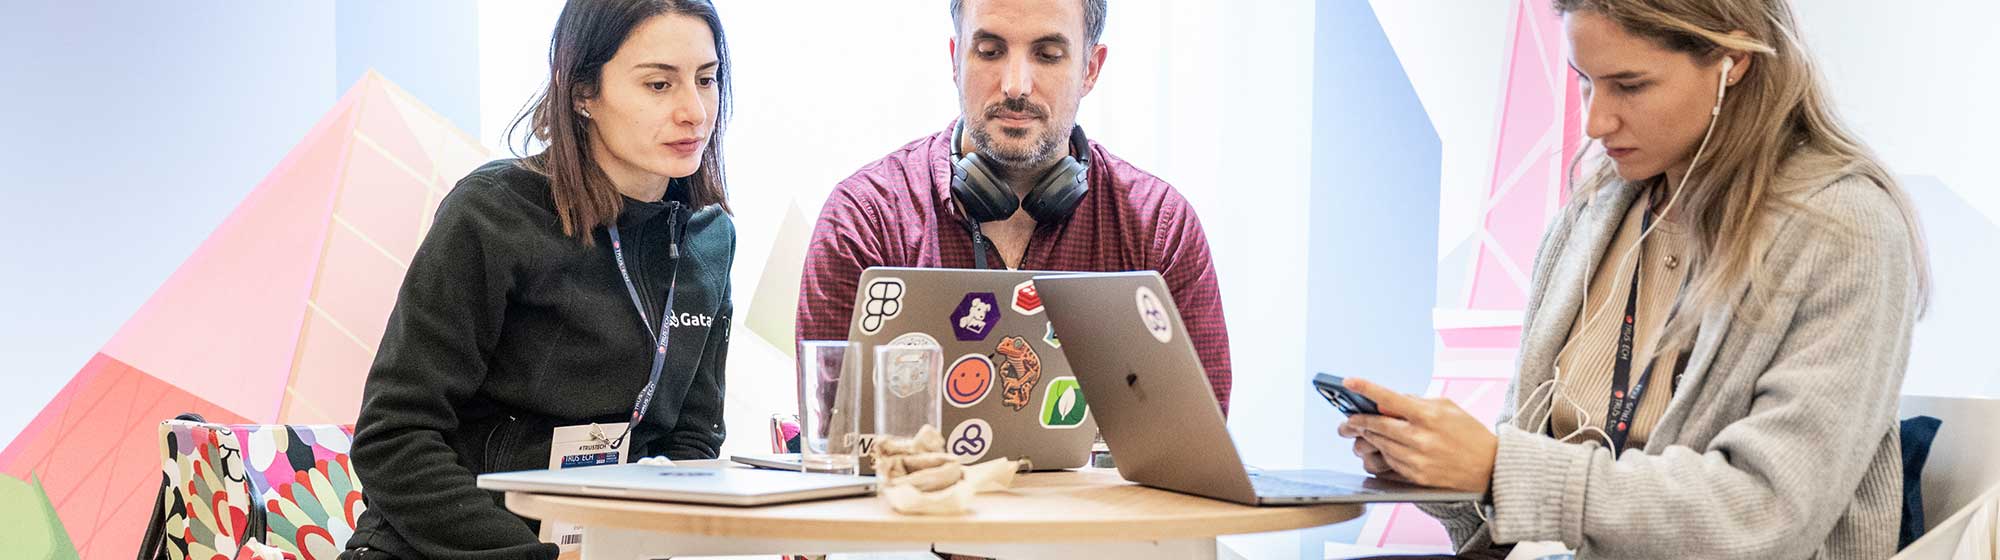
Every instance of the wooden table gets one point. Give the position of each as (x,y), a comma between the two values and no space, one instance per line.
(1089,513)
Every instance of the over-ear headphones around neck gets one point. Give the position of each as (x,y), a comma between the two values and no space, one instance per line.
(984,197)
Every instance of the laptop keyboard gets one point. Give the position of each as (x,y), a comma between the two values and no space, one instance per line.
(1280,487)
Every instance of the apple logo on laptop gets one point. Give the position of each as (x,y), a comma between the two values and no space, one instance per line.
(687,473)
(1132,381)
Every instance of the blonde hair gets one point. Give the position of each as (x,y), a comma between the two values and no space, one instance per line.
(1778,109)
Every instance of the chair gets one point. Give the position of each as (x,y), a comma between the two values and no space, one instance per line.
(784,433)
(1961,472)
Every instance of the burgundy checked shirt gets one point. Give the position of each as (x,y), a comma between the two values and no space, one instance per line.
(898,211)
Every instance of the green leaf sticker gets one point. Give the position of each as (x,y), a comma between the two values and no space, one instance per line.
(1063,406)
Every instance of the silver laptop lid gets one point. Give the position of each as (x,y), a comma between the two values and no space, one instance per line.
(1008,389)
(1123,336)
(703,485)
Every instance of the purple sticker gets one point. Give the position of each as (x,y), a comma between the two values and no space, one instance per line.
(976,317)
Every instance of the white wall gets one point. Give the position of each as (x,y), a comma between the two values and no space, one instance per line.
(1917,84)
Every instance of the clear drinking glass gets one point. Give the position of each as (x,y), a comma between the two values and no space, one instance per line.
(909,392)
(829,418)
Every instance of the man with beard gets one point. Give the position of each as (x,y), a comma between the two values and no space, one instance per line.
(1012,182)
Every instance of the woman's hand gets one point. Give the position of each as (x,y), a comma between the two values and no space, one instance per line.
(1371,457)
(1431,442)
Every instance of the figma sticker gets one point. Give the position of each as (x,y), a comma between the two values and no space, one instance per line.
(883,301)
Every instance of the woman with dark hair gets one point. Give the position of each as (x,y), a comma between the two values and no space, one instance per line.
(568,307)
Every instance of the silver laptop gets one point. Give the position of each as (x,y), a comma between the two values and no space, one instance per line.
(699,485)
(1008,390)
(1125,339)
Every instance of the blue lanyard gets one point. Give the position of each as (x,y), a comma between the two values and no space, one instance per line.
(1625,400)
(659,346)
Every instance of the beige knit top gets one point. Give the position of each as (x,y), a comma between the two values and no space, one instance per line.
(1584,392)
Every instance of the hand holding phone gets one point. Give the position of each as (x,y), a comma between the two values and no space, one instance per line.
(1347,401)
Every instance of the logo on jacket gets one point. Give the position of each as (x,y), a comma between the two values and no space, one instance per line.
(690,320)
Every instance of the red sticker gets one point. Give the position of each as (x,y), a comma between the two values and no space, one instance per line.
(1026,300)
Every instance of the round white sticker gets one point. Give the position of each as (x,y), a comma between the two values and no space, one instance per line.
(913,339)
(908,370)
(970,440)
(1154,315)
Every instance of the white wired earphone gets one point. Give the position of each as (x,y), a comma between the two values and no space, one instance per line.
(1553,384)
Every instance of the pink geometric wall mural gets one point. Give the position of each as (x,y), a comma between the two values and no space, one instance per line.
(273,320)
(94,449)
(1484,283)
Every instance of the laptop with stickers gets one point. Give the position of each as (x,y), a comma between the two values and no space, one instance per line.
(1150,395)
(1008,392)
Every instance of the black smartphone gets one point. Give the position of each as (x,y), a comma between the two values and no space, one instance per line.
(1347,401)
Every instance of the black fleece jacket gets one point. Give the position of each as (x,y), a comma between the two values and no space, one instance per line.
(506,329)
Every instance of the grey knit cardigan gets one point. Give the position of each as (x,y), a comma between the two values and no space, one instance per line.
(1780,440)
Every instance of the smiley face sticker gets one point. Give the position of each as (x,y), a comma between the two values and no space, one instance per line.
(968,381)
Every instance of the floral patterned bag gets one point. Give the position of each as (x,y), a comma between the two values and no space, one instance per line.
(290,487)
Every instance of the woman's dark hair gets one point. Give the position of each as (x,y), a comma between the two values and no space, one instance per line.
(587,35)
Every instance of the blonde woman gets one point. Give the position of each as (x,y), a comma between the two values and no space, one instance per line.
(1719,323)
